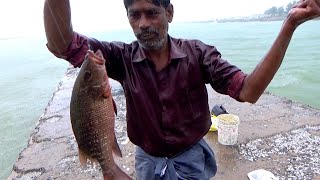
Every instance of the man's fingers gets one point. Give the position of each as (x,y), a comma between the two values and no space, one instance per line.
(315,6)
(309,7)
(302,4)
(318,2)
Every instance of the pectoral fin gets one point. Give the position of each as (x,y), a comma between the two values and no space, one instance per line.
(115,107)
(107,91)
(116,149)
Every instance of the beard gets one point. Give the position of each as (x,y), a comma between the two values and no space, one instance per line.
(150,39)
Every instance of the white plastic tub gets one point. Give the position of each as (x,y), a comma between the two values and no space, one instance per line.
(228,129)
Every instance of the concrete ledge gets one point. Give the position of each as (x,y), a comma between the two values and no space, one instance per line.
(276,134)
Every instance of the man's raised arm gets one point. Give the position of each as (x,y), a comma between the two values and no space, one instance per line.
(58,26)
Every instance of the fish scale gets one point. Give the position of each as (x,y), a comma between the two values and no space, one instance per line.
(92,112)
(91,135)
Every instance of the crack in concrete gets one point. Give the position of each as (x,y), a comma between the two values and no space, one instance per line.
(50,139)
(24,172)
(42,120)
(52,97)
(56,112)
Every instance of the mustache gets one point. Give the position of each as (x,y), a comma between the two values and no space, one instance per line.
(146,31)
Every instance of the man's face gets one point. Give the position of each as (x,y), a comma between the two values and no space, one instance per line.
(150,23)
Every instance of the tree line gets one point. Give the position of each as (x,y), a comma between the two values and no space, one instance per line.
(280,11)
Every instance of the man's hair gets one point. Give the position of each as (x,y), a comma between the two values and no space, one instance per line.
(163,3)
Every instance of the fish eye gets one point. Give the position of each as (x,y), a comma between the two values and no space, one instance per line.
(87,75)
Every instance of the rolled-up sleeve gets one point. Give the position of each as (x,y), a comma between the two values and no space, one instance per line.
(223,77)
(76,51)
(235,85)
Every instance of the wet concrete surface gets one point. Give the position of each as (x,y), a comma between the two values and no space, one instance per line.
(275,134)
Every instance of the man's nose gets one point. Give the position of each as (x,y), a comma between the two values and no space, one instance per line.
(144,22)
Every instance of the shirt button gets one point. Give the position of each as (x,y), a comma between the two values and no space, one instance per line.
(164,108)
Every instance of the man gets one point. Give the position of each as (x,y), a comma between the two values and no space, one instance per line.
(164,82)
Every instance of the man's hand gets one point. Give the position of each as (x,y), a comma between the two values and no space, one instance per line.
(303,11)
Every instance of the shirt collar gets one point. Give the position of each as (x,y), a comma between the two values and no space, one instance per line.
(175,51)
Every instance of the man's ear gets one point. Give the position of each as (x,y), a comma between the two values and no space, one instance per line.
(170,12)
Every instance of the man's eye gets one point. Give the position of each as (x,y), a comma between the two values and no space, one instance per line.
(87,75)
(134,15)
(152,13)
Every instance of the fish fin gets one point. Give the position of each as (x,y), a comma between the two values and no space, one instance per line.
(83,158)
(116,149)
(115,107)
(117,174)
(107,91)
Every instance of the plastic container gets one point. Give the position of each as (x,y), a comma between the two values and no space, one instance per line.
(215,111)
(228,129)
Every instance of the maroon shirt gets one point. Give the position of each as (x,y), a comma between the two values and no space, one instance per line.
(167,111)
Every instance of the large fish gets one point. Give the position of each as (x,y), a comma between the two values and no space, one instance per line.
(92,112)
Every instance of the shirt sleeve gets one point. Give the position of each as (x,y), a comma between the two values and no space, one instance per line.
(223,77)
(76,51)
(236,84)
(114,53)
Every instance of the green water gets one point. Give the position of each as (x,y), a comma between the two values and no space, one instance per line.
(28,77)
(29,73)
(244,44)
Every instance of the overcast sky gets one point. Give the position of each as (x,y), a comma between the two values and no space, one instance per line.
(19,17)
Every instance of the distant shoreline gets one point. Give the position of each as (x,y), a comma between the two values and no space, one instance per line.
(250,19)
(246,19)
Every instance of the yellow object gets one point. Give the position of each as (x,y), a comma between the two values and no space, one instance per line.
(214,124)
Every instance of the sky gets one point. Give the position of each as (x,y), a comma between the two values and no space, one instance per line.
(25,17)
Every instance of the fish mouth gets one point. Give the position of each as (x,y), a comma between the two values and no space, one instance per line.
(98,61)
(95,58)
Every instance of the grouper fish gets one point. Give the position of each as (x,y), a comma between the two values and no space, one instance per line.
(92,112)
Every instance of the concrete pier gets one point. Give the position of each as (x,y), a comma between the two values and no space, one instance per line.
(275,134)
